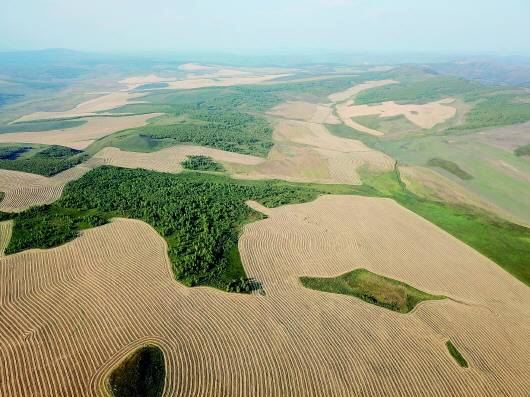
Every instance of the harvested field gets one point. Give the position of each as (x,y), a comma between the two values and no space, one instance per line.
(6,228)
(109,101)
(287,162)
(350,92)
(202,82)
(23,190)
(424,116)
(305,111)
(168,160)
(118,293)
(82,136)
(307,152)
(194,67)
(137,81)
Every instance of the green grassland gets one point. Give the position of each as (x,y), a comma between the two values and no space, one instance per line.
(39,159)
(141,374)
(372,288)
(449,166)
(47,125)
(202,163)
(498,175)
(456,354)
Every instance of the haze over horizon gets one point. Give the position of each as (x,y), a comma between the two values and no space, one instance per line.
(486,27)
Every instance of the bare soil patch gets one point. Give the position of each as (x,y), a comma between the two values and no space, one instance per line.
(109,101)
(82,136)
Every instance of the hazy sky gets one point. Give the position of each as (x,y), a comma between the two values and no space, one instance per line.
(447,26)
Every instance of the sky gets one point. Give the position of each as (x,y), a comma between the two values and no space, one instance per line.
(269,26)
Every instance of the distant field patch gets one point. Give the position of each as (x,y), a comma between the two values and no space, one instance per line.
(449,166)
(48,125)
(422,91)
(371,288)
(141,374)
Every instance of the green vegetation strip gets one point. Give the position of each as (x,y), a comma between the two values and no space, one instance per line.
(45,161)
(200,215)
(456,354)
(141,374)
(522,150)
(47,125)
(422,90)
(202,163)
(372,288)
(449,166)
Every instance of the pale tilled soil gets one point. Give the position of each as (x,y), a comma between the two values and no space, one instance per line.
(82,136)
(351,92)
(168,160)
(424,116)
(109,101)
(24,190)
(70,313)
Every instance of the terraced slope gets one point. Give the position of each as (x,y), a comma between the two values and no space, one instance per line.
(73,312)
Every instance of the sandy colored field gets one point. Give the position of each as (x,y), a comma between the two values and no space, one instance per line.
(6,228)
(201,82)
(424,116)
(305,111)
(70,313)
(82,136)
(350,92)
(137,81)
(308,152)
(168,160)
(194,67)
(23,190)
(109,101)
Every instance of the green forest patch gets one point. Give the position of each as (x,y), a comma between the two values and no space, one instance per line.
(200,215)
(141,374)
(39,159)
(202,163)
(371,288)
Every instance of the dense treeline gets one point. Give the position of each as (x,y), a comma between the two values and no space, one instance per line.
(48,161)
(225,119)
(201,163)
(200,216)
